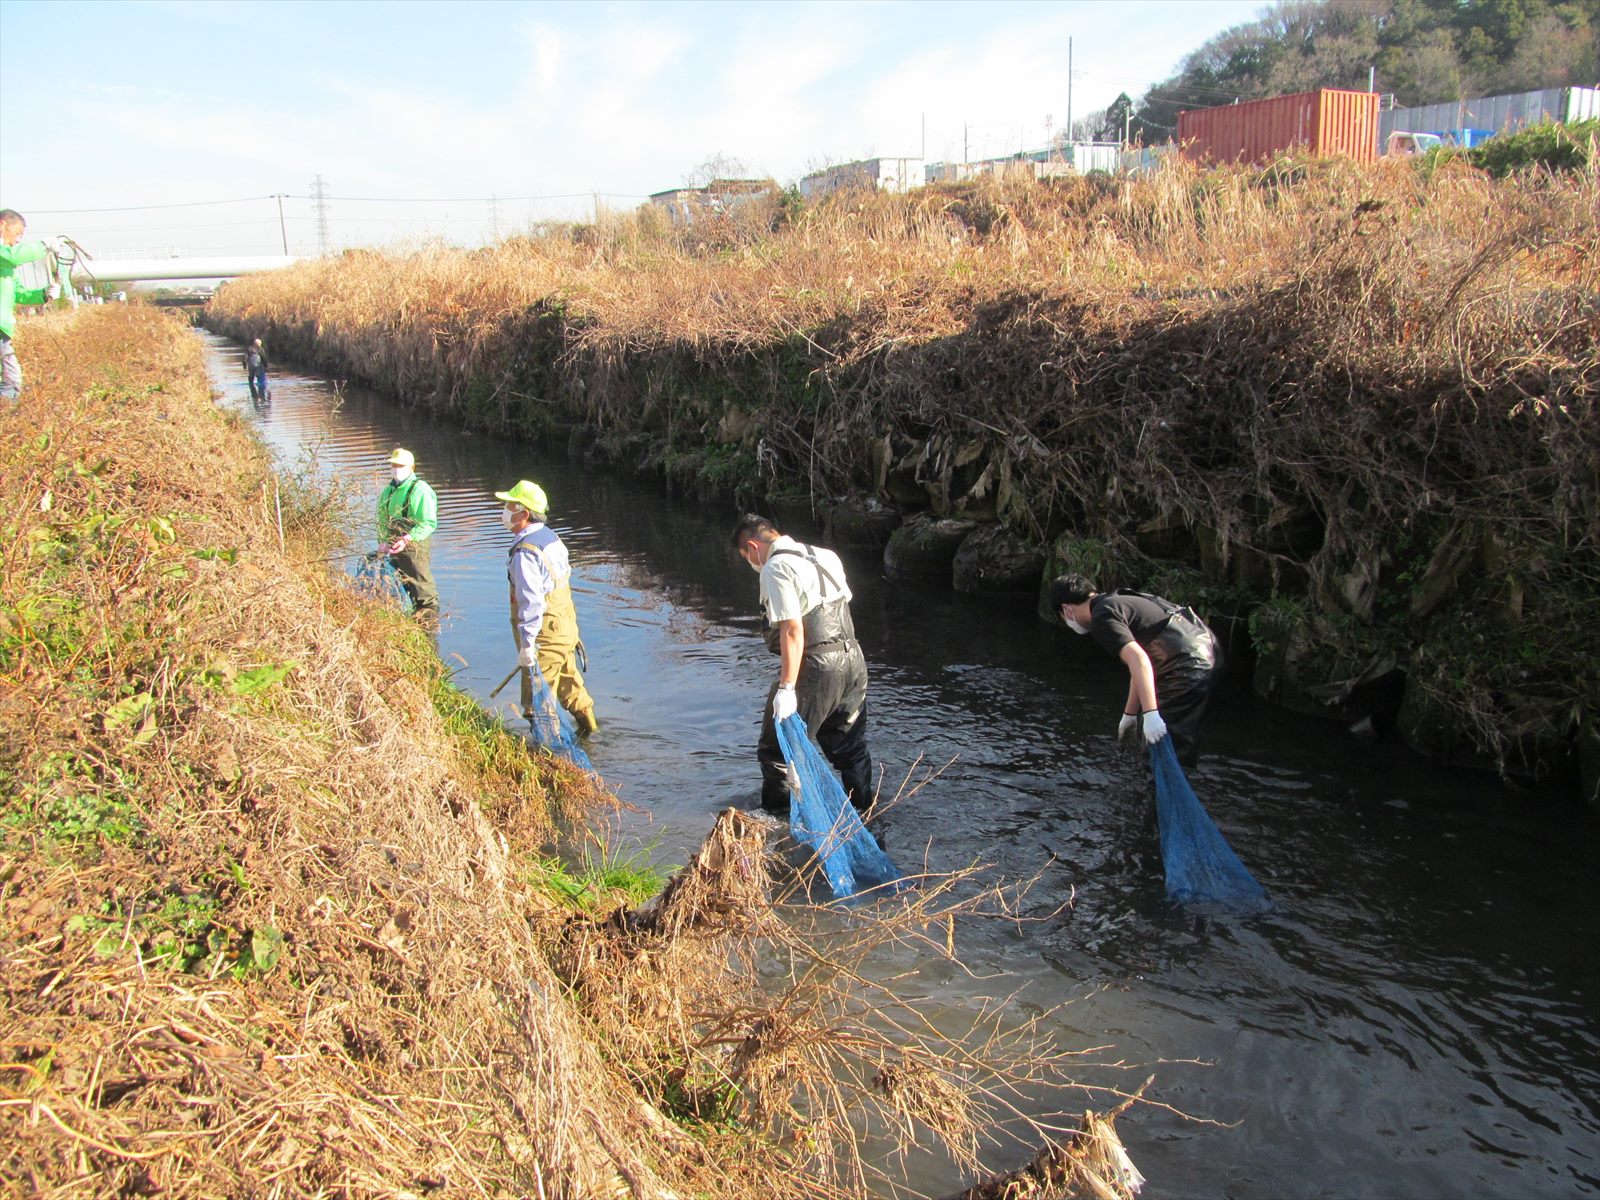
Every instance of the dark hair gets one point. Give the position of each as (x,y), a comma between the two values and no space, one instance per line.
(1069,589)
(750,526)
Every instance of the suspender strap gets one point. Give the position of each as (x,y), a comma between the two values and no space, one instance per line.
(810,555)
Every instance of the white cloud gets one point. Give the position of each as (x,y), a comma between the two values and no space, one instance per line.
(545,43)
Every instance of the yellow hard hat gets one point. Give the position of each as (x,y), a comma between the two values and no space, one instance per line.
(527,495)
(402,458)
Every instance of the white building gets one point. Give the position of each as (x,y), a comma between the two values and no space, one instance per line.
(1069,158)
(721,197)
(880,174)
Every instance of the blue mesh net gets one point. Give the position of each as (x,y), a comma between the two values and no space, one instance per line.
(822,817)
(1201,866)
(553,727)
(377,575)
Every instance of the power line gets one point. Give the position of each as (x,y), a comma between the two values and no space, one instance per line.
(52,212)
(484,199)
(260,222)
(55,212)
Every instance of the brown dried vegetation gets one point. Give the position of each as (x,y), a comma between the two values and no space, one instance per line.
(265,927)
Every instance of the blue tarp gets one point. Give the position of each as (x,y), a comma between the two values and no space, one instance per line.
(1201,867)
(822,817)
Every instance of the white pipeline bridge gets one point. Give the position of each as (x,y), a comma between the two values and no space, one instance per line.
(155,270)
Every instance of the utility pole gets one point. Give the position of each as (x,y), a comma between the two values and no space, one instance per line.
(282,233)
(1069,89)
(964,155)
(494,218)
(924,137)
(1372,78)
(319,193)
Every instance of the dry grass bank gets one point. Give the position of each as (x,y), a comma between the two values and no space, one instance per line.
(274,914)
(1363,391)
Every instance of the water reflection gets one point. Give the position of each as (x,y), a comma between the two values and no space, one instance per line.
(1419,1015)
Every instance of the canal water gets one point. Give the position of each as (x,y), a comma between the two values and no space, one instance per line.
(1419,1014)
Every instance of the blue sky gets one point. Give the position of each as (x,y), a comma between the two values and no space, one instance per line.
(154,102)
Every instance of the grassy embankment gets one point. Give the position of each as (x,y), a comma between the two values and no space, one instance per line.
(1353,407)
(277,916)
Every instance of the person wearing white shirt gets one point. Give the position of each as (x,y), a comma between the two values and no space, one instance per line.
(822,675)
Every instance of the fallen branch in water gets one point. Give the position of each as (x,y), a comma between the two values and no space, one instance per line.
(1090,1161)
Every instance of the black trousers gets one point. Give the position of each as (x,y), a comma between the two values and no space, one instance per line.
(416,575)
(831,697)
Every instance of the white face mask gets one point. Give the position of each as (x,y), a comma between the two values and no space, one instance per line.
(508,518)
(1075,627)
(400,473)
(751,563)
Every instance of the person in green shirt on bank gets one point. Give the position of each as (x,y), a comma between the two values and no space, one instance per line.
(408,513)
(13,253)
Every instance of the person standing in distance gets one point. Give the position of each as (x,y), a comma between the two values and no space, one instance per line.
(255,368)
(544,621)
(408,514)
(13,253)
(822,675)
(1171,655)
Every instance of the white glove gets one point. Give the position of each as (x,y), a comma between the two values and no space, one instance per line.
(784,705)
(527,656)
(52,293)
(1129,720)
(1154,728)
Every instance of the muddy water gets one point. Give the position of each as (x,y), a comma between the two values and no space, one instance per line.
(1419,1016)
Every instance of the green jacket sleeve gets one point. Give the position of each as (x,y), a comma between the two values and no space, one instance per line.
(422,506)
(22,252)
(30,296)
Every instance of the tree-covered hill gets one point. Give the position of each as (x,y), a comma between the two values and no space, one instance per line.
(1421,50)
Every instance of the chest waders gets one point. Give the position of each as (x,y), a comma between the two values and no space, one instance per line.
(557,648)
(256,370)
(830,695)
(414,563)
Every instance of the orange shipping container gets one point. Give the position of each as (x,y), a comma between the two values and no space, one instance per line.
(1328,121)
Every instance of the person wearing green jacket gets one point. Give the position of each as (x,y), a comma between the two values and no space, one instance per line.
(13,253)
(408,513)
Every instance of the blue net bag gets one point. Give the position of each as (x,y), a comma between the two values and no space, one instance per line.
(822,817)
(553,726)
(1201,867)
(376,576)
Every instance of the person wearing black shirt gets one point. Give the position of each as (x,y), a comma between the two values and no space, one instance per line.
(1171,655)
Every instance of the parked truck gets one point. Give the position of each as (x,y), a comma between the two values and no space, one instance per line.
(1404,143)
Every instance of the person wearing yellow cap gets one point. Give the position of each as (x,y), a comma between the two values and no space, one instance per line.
(543,619)
(408,513)
(13,253)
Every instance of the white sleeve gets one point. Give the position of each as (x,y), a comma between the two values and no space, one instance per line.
(780,592)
